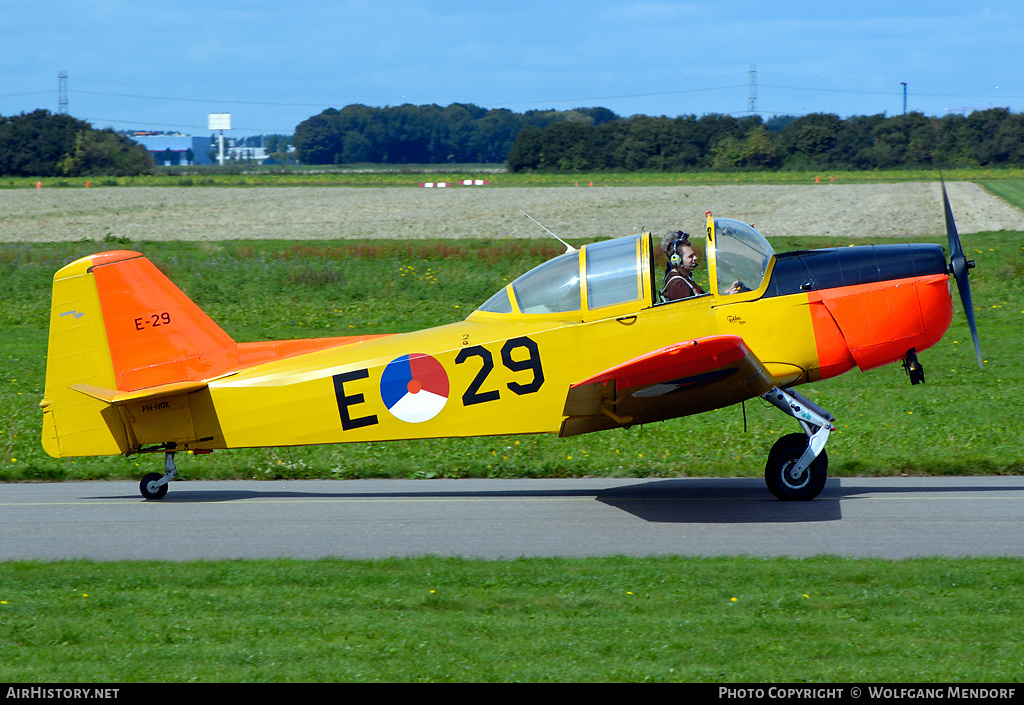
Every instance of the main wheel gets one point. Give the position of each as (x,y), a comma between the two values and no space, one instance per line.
(778,471)
(148,493)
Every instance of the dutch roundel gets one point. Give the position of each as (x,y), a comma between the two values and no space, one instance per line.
(414,387)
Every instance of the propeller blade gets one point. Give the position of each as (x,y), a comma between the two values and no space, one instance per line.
(959,266)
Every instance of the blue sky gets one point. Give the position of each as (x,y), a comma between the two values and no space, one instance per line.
(272,64)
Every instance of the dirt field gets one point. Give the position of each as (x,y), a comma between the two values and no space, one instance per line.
(873,210)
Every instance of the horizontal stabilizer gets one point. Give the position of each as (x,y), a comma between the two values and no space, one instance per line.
(114,396)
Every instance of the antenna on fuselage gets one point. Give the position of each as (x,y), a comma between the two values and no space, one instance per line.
(568,247)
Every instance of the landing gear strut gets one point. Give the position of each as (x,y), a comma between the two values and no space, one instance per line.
(154,485)
(797,465)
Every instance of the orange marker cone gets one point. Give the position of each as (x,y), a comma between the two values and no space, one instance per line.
(817,180)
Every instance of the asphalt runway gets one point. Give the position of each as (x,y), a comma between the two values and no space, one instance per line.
(504,519)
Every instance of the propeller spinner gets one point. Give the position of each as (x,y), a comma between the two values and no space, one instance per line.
(959,267)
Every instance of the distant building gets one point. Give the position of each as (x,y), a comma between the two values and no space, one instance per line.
(250,155)
(202,149)
(175,150)
(186,150)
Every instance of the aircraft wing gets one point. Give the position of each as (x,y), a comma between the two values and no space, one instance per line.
(681,379)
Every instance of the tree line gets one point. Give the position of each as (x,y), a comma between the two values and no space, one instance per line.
(45,144)
(987,138)
(594,139)
(583,139)
(424,134)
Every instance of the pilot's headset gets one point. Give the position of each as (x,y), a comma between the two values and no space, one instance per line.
(680,239)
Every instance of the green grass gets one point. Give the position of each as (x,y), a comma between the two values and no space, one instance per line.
(1011,191)
(961,422)
(256,176)
(669,619)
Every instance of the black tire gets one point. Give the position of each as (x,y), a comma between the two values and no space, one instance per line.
(144,486)
(784,454)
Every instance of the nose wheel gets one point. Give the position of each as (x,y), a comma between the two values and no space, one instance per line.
(784,475)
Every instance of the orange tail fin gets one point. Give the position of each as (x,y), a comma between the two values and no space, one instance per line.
(118,325)
(130,356)
(157,335)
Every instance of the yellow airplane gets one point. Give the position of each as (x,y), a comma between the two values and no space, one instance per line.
(583,342)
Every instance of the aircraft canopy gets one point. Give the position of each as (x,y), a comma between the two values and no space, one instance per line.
(613,273)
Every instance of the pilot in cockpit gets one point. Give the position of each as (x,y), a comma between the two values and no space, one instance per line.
(682,260)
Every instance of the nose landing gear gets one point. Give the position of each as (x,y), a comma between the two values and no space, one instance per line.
(797,466)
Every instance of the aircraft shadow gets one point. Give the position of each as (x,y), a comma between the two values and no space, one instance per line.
(717,501)
(747,500)
(687,500)
(679,500)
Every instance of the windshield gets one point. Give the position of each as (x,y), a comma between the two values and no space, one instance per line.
(741,256)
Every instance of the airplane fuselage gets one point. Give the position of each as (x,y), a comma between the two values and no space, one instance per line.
(161,375)
(484,378)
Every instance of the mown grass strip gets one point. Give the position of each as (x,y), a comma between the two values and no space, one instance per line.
(1011,191)
(555,620)
(414,175)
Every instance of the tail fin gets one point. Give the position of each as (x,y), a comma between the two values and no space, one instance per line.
(129,360)
(117,326)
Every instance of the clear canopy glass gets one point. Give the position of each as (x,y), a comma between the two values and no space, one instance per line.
(614,272)
(742,256)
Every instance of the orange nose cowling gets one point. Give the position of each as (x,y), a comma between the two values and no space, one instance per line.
(875,324)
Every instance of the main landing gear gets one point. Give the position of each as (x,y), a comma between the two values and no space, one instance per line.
(154,485)
(797,465)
